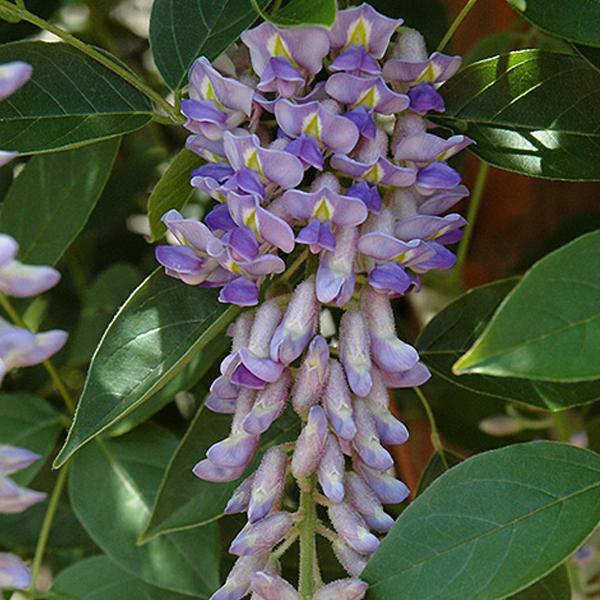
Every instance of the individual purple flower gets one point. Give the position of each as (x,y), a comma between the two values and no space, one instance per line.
(312,376)
(19,280)
(13,76)
(353,562)
(354,352)
(363,119)
(414,377)
(14,574)
(435,177)
(272,587)
(22,348)
(387,488)
(378,171)
(424,148)
(363,27)
(222,397)
(335,275)
(238,581)
(369,194)
(257,537)
(342,589)
(310,444)
(240,499)
(270,404)
(13,459)
(352,528)
(267,484)
(337,402)
(331,470)
(366,442)
(364,500)
(357,61)
(372,94)
(334,132)
(323,209)
(297,326)
(14,498)
(275,166)
(442,201)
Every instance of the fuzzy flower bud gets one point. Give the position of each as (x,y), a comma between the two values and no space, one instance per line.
(354,352)
(238,581)
(337,403)
(352,528)
(366,441)
(362,498)
(312,376)
(272,587)
(387,488)
(331,470)
(342,589)
(390,429)
(353,562)
(240,499)
(270,404)
(14,574)
(268,483)
(311,444)
(262,535)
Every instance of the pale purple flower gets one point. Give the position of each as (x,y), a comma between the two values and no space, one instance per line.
(222,397)
(212,151)
(435,177)
(435,69)
(240,499)
(369,194)
(311,378)
(257,537)
(414,377)
(16,499)
(342,589)
(331,470)
(353,562)
(337,402)
(310,444)
(442,201)
(366,442)
(13,76)
(424,148)
(364,500)
(272,587)
(14,574)
(387,488)
(269,406)
(237,584)
(267,484)
(354,352)
(379,171)
(352,528)
(13,459)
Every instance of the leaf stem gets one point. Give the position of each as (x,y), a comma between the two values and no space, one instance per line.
(456,24)
(54,375)
(472,213)
(435,436)
(308,550)
(562,426)
(98,56)
(47,526)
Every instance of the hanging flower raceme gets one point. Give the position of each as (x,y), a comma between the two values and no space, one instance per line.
(319,139)
(14,574)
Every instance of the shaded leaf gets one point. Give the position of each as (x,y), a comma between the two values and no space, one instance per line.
(28,421)
(183,30)
(529,507)
(555,586)
(155,334)
(435,468)
(71,100)
(529,111)
(298,13)
(115,511)
(452,332)
(592,55)
(51,200)
(561,343)
(184,501)
(172,191)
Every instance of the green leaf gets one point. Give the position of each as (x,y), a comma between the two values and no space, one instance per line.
(71,100)
(51,200)
(531,112)
(184,501)
(112,486)
(172,191)
(454,330)
(28,421)
(100,303)
(183,30)
(98,578)
(491,526)
(592,55)
(435,468)
(155,334)
(575,20)
(555,586)
(305,13)
(561,342)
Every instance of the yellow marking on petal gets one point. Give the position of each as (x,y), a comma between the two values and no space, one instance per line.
(374,174)
(252,161)
(369,98)
(250,220)
(233,267)
(312,126)
(323,210)
(428,75)
(359,33)
(208,92)
(278,48)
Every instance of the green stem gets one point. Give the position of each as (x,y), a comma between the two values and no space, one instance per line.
(56,379)
(308,551)
(132,79)
(276,7)
(456,24)
(472,213)
(47,525)
(435,436)
(562,425)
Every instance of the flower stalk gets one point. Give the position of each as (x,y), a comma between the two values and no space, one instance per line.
(308,549)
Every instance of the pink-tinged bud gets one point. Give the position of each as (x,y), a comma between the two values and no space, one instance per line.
(208,471)
(269,405)
(14,574)
(14,459)
(387,488)
(354,352)
(343,589)
(364,500)
(366,441)
(240,499)
(352,528)
(390,429)
(268,484)
(298,325)
(353,562)
(310,444)
(16,499)
(272,587)
(335,275)
(237,584)
(337,404)
(312,376)
(389,352)
(331,470)
(262,535)
(223,396)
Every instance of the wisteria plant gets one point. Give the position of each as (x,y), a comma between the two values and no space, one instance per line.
(271,381)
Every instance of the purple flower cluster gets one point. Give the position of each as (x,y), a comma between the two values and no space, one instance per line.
(14,574)
(339,159)
(316,137)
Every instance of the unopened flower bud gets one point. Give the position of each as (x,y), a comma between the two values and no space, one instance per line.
(354,352)
(14,459)
(240,499)
(353,562)
(270,404)
(352,528)
(223,396)
(272,587)
(365,501)
(342,589)
(310,444)
(387,488)
(337,404)
(16,499)
(14,574)
(366,441)
(410,46)
(500,425)
(331,470)
(262,535)
(268,483)
(312,376)
(238,581)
